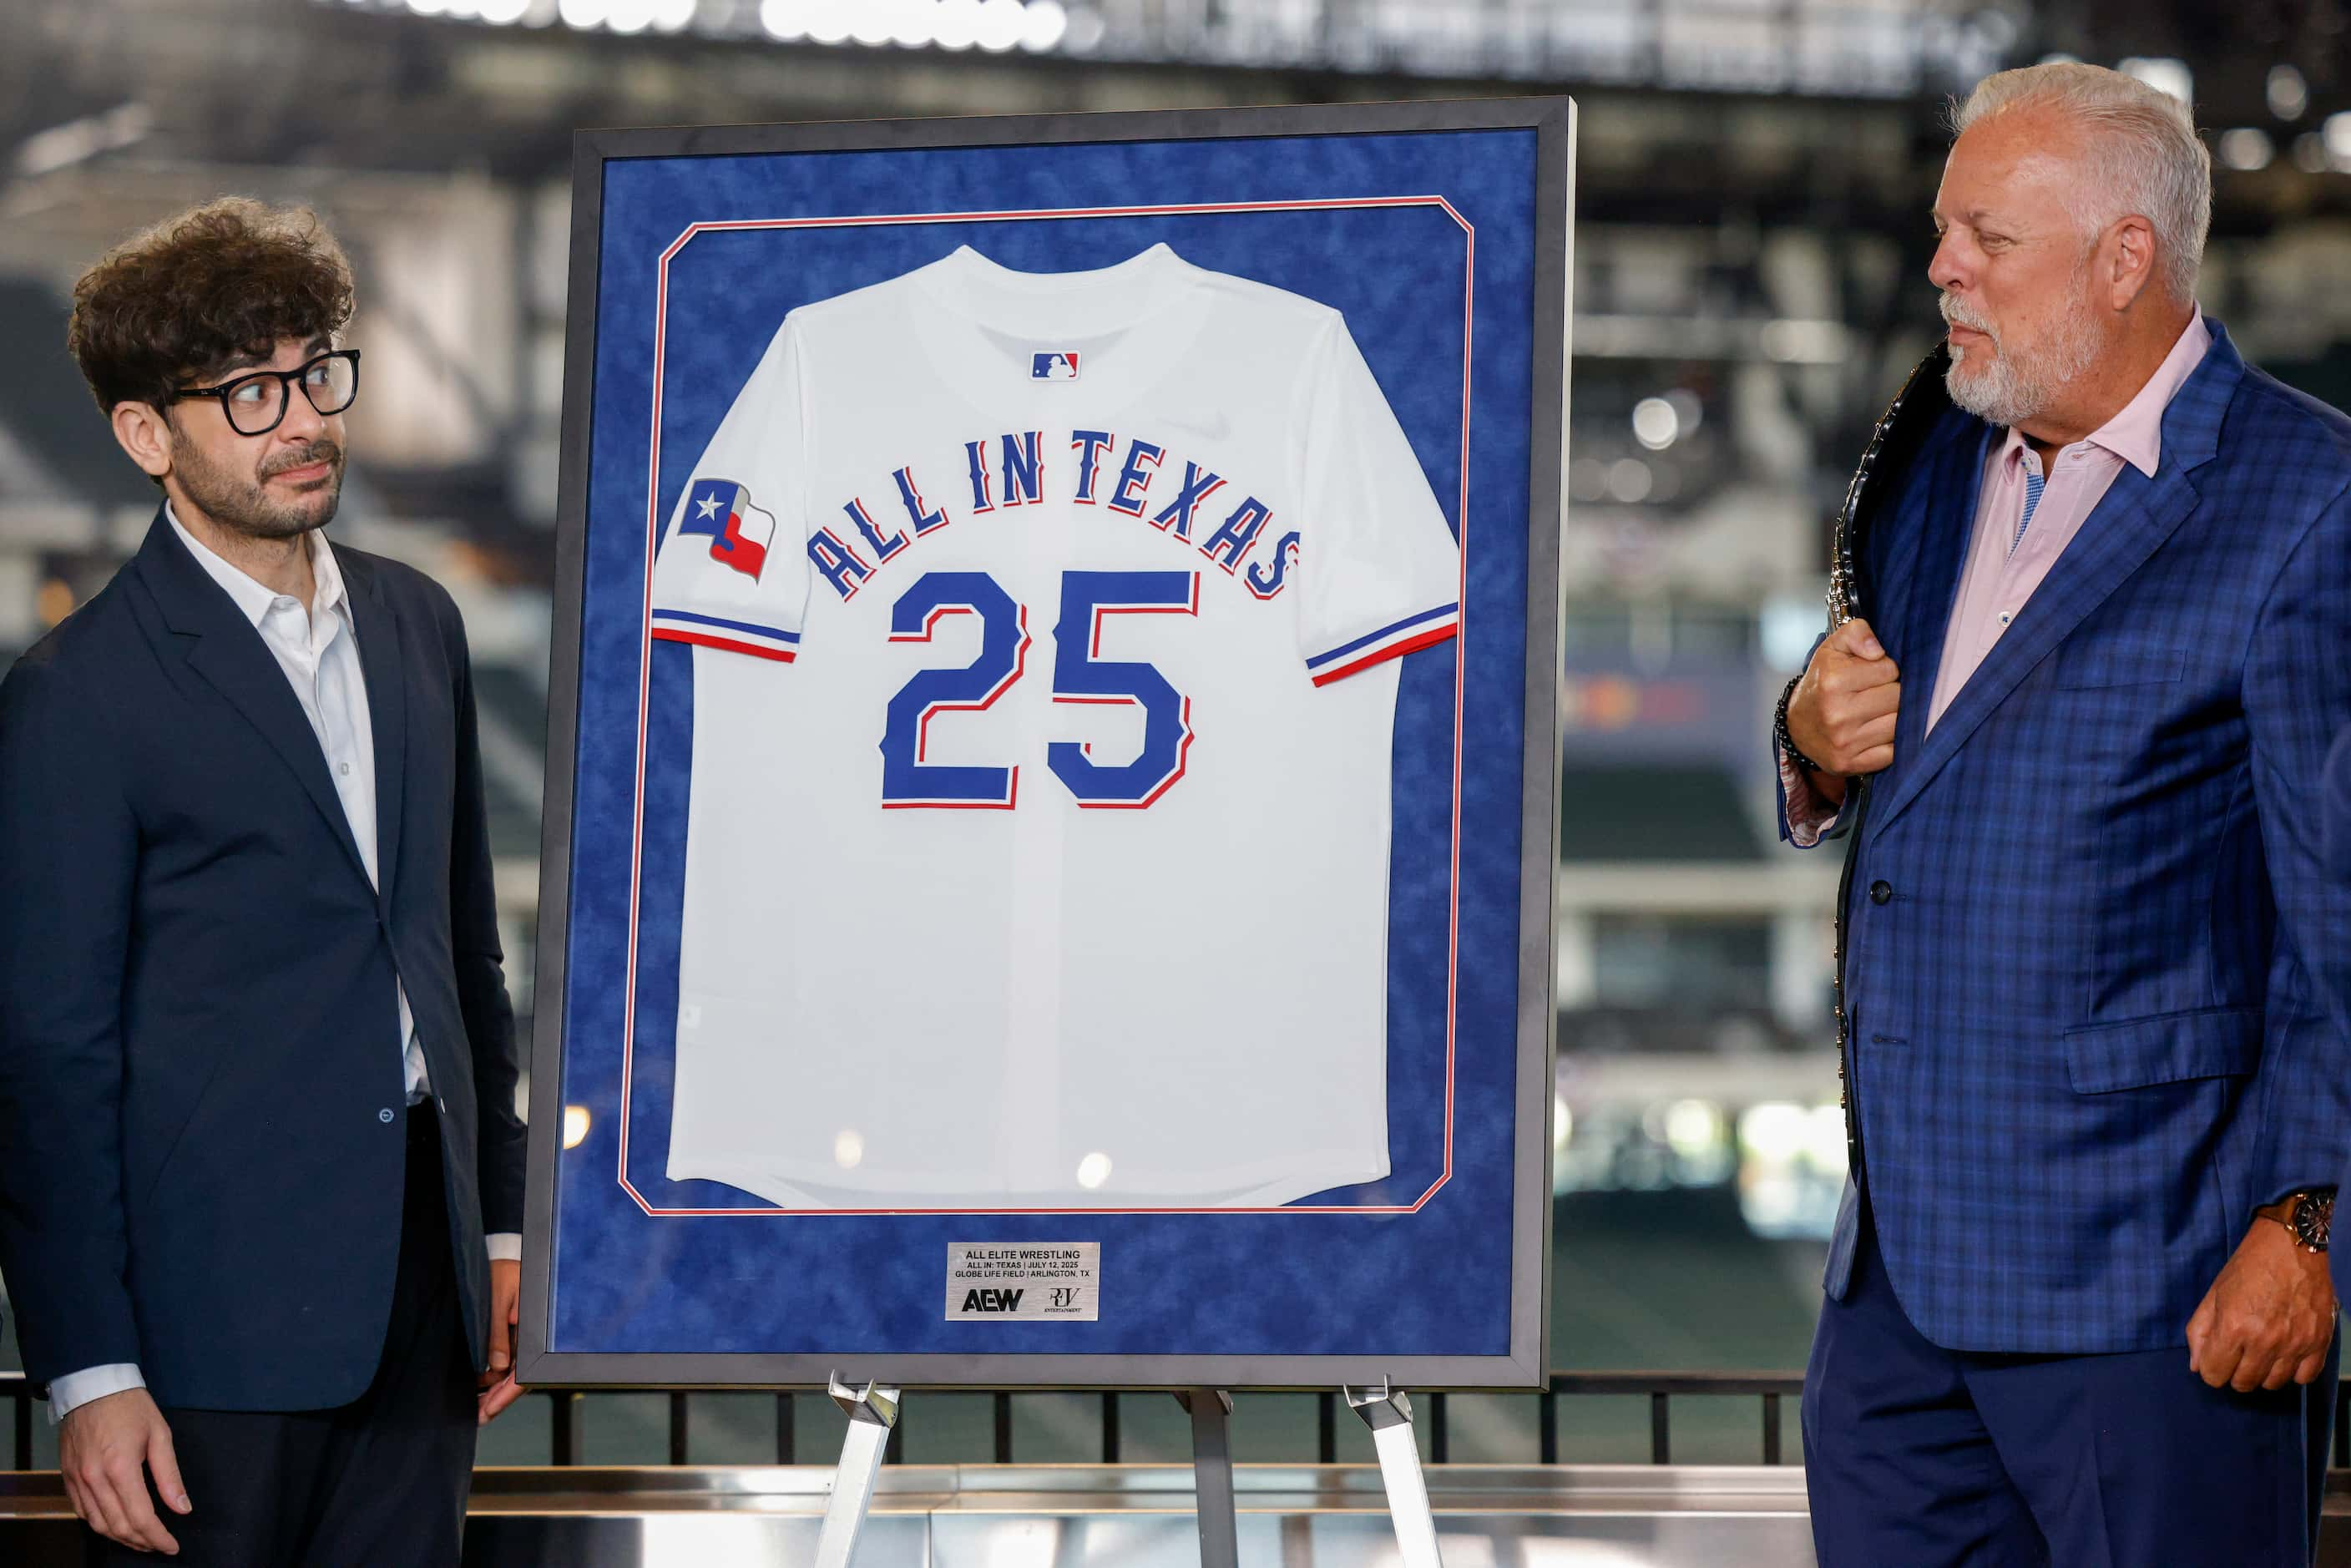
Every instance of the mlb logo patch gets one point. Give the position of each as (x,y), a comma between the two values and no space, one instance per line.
(1057,366)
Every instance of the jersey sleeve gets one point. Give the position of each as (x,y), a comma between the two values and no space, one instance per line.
(733,570)
(1379,573)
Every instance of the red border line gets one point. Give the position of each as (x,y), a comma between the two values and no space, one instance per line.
(704,639)
(1393,651)
(644,679)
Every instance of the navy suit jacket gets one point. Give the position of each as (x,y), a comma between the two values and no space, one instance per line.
(201,1094)
(2336,845)
(2338,808)
(2099,993)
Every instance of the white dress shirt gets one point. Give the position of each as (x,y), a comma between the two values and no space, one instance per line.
(317,647)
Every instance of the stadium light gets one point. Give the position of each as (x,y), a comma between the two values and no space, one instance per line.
(1773,1132)
(1485,38)
(786,21)
(1630,481)
(2247,148)
(1001,23)
(2337,136)
(957,24)
(2289,95)
(1656,424)
(1047,23)
(829,21)
(876,22)
(2168,76)
(628,17)
(915,25)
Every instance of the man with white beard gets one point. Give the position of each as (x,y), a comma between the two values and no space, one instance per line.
(2096,970)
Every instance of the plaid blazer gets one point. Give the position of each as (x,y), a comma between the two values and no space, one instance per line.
(2097,965)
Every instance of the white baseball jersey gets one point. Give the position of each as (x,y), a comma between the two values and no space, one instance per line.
(1044,689)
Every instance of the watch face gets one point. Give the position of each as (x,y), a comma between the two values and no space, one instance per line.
(2314,1216)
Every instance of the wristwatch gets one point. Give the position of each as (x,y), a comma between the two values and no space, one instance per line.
(1779,732)
(2306,1214)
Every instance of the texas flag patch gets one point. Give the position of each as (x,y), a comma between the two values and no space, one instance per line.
(1060,365)
(739,532)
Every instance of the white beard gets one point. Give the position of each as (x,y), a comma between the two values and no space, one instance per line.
(2010,387)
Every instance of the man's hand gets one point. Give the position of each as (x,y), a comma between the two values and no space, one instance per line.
(498,1387)
(2268,1319)
(105,1448)
(1842,713)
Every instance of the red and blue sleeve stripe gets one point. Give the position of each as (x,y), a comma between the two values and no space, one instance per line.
(734,636)
(1392,640)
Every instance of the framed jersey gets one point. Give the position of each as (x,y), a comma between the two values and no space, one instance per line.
(1052,804)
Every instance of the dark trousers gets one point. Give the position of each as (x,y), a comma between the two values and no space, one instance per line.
(1919,1456)
(379,1481)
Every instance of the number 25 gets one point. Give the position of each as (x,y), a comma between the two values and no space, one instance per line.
(1080,675)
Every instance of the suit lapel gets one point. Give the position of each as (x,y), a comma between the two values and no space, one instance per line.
(223,648)
(2132,521)
(1954,475)
(383,661)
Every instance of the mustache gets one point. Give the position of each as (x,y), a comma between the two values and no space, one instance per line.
(320,451)
(1957,312)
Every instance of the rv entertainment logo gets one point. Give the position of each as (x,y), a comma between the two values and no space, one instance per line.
(1024,1281)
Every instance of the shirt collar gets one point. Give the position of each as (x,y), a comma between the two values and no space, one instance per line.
(253,598)
(2134,434)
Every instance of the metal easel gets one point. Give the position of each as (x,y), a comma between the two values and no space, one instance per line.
(1386,1410)
(1388,1414)
(872,1411)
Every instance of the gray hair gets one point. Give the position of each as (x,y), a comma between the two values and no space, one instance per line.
(2143,150)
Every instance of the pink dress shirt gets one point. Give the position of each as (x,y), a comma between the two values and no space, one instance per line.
(2024,520)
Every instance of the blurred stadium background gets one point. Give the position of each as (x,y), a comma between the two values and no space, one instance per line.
(1750,286)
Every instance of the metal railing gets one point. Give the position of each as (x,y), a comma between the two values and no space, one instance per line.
(567,1417)
(1773,1389)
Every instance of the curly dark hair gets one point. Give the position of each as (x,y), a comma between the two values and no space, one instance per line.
(218,284)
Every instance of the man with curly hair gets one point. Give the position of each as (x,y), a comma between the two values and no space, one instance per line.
(260,1171)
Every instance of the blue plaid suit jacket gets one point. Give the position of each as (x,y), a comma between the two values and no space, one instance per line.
(2101,1015)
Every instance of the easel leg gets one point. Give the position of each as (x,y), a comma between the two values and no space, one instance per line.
(1388,1414)
(1212,1468)
(872,1411)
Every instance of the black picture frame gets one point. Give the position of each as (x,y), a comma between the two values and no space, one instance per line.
(1525,1366)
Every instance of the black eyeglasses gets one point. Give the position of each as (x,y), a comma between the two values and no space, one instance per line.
(257,403)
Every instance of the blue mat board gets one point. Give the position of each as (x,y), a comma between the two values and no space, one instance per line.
(1229,1283)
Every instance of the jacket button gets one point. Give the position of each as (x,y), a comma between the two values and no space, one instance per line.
(1880,892)
(384,1115)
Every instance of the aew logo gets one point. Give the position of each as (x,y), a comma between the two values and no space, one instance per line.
(992,1301)
(1054,367)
